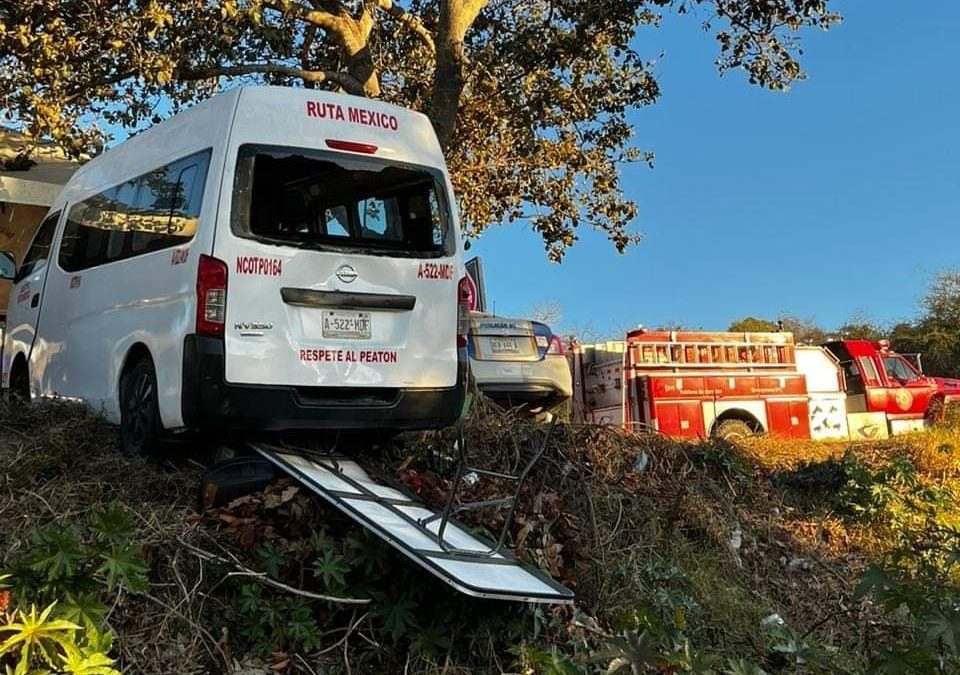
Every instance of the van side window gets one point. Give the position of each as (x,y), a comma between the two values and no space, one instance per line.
(39,250)
(147,213)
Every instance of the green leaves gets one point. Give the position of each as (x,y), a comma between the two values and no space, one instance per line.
(123,568)
(58,553)
(114,525)
(893,661)
(271,558)
(72,570)
(396,614)
(368,554)
(84,609)
(536,128)
(332,570)
(741,667)
(547,662)
(48,642)
(943,629)
(633,651)
(876,581)
(916,581)
(301,629)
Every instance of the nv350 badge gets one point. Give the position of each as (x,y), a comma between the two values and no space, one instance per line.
(252,327)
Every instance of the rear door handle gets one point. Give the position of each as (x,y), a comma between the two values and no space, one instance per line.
(35,300)
(308,297)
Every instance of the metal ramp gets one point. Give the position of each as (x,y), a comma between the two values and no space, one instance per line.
(432,540)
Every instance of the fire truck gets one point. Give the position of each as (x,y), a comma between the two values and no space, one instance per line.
(698,384)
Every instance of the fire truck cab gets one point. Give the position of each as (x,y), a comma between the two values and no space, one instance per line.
(878,380)
(697,384)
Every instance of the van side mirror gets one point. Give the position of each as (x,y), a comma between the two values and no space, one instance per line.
(8,265)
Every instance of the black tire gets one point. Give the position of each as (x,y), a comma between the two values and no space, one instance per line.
(19,393)
(733,430)
(936,412)
(139,411)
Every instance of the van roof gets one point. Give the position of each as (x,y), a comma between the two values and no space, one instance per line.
(268,115)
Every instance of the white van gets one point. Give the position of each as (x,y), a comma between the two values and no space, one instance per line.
(270,259)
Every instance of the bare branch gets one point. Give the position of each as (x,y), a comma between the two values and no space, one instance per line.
(344,80)
(317,17)
(308,38)
(350,33)
(266,580)
(409,21)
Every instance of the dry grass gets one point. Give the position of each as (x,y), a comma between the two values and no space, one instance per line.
(60,462)
(935,452)
(592,515)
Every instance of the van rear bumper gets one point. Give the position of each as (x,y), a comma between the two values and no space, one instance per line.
(209,403)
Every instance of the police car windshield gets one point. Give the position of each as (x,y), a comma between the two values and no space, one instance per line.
(315,199)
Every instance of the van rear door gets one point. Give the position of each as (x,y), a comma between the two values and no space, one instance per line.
(342,270)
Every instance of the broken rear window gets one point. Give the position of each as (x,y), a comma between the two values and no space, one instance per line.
(323,200)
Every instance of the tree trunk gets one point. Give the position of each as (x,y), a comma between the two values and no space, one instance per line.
(449,78)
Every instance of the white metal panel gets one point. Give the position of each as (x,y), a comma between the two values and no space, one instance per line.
(464,561)
(867,426)
(828,417)
(32,192)
(820,368)
(604,384)
(612,415)
(906,426)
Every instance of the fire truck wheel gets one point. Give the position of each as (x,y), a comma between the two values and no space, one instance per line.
(935,413)
(733,430)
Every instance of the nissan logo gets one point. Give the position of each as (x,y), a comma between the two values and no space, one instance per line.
(346,274)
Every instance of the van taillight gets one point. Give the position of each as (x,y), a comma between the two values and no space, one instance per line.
(351,146)
(211,296)
(466,301)
(556,347)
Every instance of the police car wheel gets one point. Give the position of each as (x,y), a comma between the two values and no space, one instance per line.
(139,410)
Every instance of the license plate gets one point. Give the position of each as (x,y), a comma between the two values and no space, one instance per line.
(346,325)
(504,346)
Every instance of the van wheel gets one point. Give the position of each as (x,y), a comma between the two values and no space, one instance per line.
(733,430)
(19,393)
(139,410)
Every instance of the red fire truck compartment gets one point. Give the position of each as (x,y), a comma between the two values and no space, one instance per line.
(691,384)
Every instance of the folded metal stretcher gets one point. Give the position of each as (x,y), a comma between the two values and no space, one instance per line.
(431,539)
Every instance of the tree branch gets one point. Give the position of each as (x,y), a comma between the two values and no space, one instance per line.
(344,80)
(450,75)
(350,33)
(317,17)
(263,578)
(410,22)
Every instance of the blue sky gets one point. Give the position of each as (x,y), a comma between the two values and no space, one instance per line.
(840,196)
